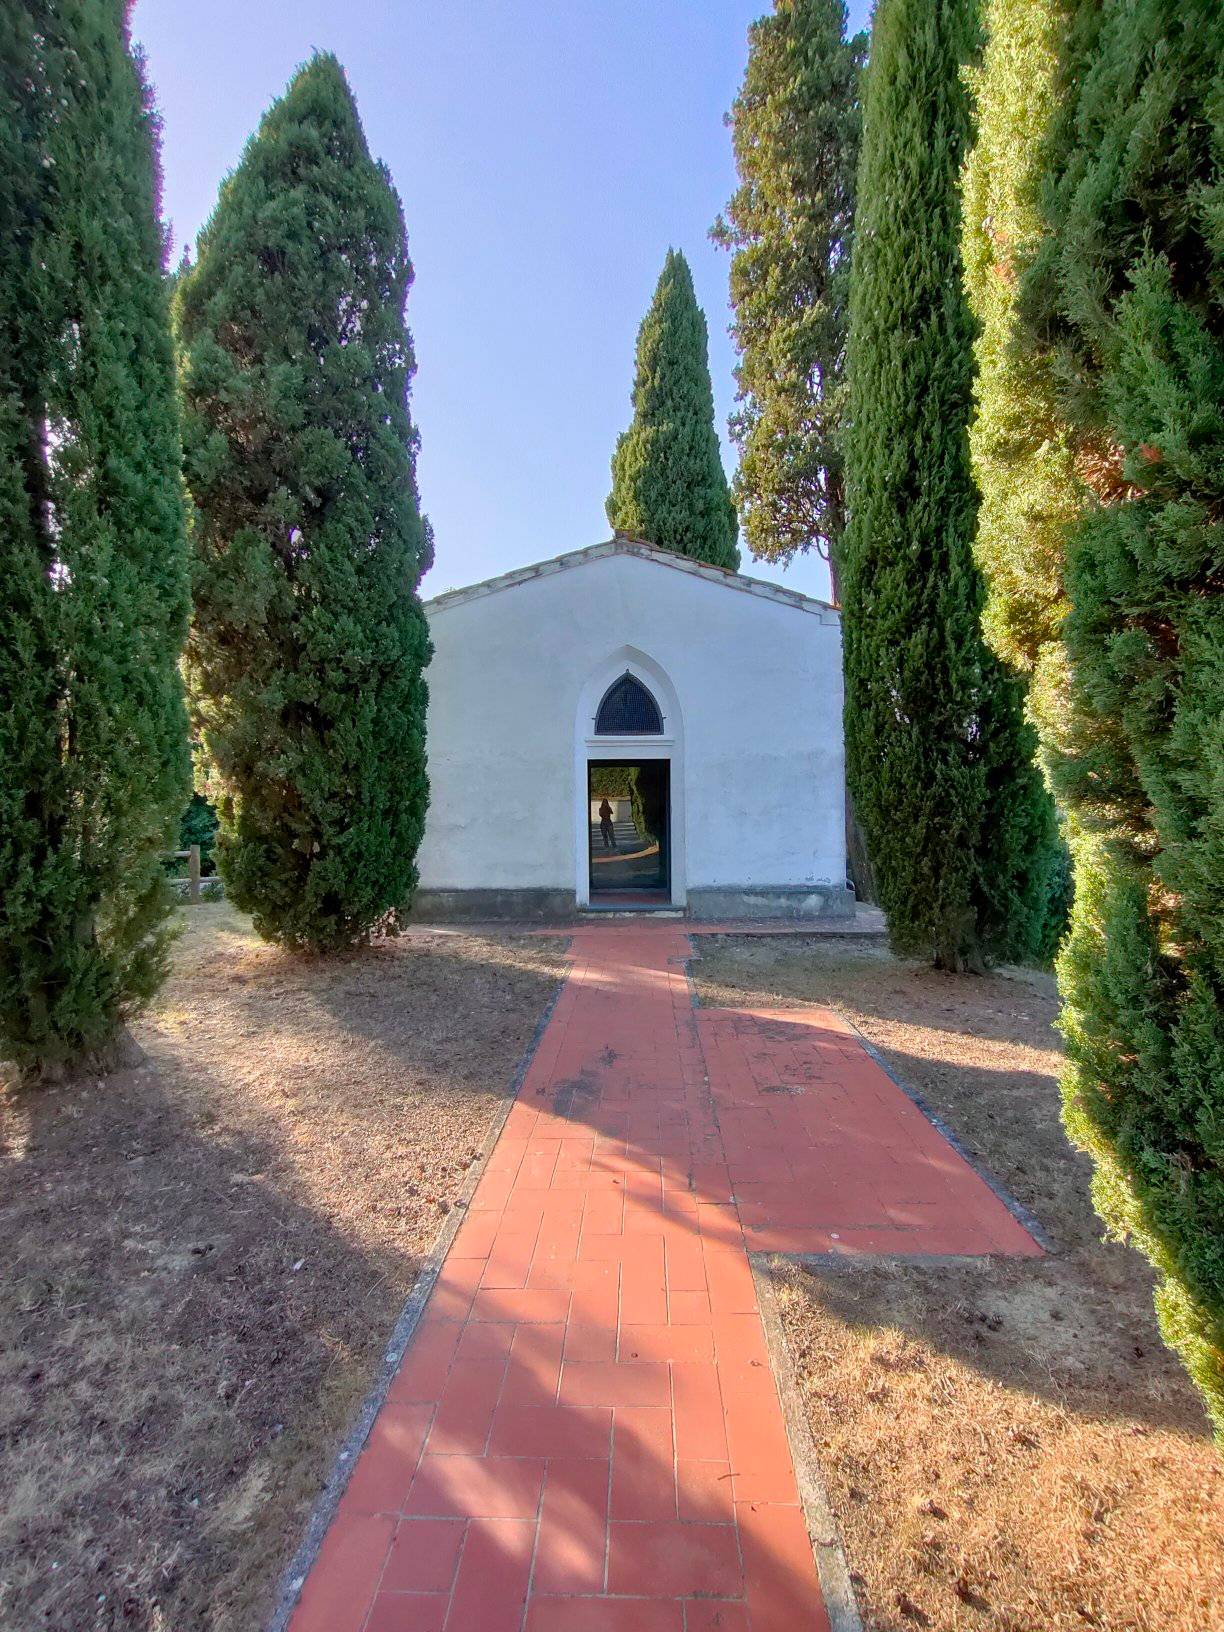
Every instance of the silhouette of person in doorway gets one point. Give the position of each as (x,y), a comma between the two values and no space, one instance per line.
(605,826)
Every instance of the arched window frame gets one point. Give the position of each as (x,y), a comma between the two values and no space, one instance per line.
(652,714)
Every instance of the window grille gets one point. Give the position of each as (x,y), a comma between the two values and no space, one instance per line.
(628,710)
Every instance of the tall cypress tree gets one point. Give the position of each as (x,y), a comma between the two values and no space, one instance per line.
(309,641)
(958,822)
(1097,267)
(93,740)
(668,485)
(796,126)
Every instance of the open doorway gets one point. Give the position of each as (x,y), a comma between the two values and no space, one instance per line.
(629,826)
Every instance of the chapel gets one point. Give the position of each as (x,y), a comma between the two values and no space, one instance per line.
(625,728)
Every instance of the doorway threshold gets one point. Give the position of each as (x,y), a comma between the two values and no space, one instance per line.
(629,906)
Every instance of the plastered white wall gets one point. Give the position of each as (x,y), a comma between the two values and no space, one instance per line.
(758,744)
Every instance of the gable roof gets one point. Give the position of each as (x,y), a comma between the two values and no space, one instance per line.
(621,545)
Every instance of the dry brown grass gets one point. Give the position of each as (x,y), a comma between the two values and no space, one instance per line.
(1008,1446)
(204,1257)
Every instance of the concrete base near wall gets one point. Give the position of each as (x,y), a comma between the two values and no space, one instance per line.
(489,906)
(786,903)
(718,903)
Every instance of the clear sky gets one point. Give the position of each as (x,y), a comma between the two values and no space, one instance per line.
(547,154)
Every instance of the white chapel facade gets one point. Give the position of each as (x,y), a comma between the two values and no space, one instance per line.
(624,727)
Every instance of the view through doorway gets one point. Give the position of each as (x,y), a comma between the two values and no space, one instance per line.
(629,810)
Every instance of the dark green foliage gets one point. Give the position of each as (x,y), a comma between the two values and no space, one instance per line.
(668,485)
(1098,248)
(93,741)
(622,782)
(613,781)
(199,826)
(958,823)
(1059,900)
(796,125)
(309,641)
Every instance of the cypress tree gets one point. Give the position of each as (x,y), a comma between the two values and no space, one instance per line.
(1021,455)
(796,125)
(1097,266)
(93,740)
(668,485)
(309,640)
(796,128)
(959,825)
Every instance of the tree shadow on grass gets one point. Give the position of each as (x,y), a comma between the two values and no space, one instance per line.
(204,1256)
(1051,1328)
(1078,1328)
(177,1360)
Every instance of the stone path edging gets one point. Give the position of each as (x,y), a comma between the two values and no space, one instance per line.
(831,1564)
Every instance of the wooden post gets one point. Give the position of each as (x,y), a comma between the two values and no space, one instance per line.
(193,873)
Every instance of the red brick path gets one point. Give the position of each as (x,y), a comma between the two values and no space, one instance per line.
(585,1434)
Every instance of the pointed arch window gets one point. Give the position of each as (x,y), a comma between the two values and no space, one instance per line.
(628,710)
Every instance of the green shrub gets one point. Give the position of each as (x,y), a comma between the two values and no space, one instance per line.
(198,826)
(622,782)
(1096,261)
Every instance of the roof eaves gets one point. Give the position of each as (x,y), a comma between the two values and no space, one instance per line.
(622,545)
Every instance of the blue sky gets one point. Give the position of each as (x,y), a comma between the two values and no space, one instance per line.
(547,155)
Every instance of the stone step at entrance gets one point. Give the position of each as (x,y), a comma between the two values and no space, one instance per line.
(620,910)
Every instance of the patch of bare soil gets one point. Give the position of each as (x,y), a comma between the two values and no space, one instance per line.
(1007,1445)
(204,1256)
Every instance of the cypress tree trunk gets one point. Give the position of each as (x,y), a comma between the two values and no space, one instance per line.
(959,826)
(668,485)
(1097,269)
(93,741)
(309,641)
